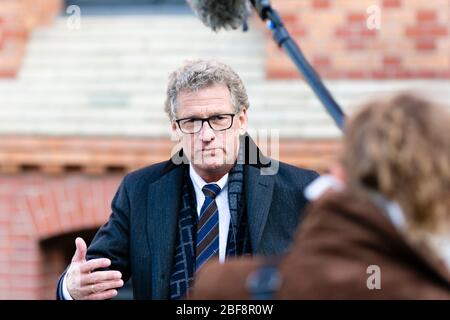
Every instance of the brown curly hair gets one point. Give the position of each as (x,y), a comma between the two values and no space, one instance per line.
(401,148)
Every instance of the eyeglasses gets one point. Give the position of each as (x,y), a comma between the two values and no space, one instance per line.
(219,122)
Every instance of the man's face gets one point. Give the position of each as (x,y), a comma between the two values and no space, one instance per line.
(210,150)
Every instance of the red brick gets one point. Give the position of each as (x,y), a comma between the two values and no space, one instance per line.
(321,61)
(426,74)
(356,17)
(389,61)
(355,74)
(356,45)
(439,31)
(8,73)
(425,45)
(392,3)
(378,74)
(367,33)
(424,16)
(321,4)
(298,31)
(343,32)
(281,74)
(405,74)
(427,32)
(2,34)
(17,32)
(289,18)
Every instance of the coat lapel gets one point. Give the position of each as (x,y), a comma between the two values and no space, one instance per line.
(258,188)
(162,212)
(259,192)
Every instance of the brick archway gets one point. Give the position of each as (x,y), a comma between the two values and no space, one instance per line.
(59,210)
(66,204)
(35,210)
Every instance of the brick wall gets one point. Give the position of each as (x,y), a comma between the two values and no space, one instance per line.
(17,19)
(20,265)
(34,208)
(102,156)
(413,40)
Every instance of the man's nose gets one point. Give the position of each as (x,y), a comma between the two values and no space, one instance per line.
(206,133)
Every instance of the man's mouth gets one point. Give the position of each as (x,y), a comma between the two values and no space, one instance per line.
(210,149)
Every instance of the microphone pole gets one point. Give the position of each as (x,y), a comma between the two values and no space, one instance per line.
(284,40)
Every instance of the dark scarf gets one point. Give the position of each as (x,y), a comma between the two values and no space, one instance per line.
(238,242)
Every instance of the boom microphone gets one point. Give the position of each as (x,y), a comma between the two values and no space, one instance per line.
(226,14)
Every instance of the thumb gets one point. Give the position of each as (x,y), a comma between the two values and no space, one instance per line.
(80,253)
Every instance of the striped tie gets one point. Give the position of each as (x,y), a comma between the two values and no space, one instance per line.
(208,227)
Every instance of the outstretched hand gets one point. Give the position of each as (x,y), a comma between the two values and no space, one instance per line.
(84,283)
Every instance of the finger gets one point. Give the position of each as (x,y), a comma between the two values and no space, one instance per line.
(104,286)
(100,276)
(95,264)
(80,252)
(107,285)
(103,295)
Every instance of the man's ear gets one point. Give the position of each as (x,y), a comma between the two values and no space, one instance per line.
(243,121)
(176,136)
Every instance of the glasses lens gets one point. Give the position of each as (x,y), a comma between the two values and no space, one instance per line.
(190,125)
(217,123)
(220,122)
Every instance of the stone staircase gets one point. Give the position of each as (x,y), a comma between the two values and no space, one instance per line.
(108,78)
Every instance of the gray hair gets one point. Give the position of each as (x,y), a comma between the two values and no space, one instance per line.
(199,74)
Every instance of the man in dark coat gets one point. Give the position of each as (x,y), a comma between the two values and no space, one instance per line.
(217,197)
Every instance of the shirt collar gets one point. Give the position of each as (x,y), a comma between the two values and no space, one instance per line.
(200,183)
(391,208)
(320,185)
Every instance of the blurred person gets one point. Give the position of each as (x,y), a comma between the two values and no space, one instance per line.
(380,228)
(209,201)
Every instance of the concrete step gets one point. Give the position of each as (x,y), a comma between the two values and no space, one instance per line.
(281,115)
(110,33)
(84,128)
(71,75)
(181,46)
(323,130)
(268,93)
(127,59)
(143,24)
(135,104)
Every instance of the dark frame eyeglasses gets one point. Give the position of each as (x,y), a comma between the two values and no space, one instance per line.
(218,122)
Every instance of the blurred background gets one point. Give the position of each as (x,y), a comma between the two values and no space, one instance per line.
(82,87)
